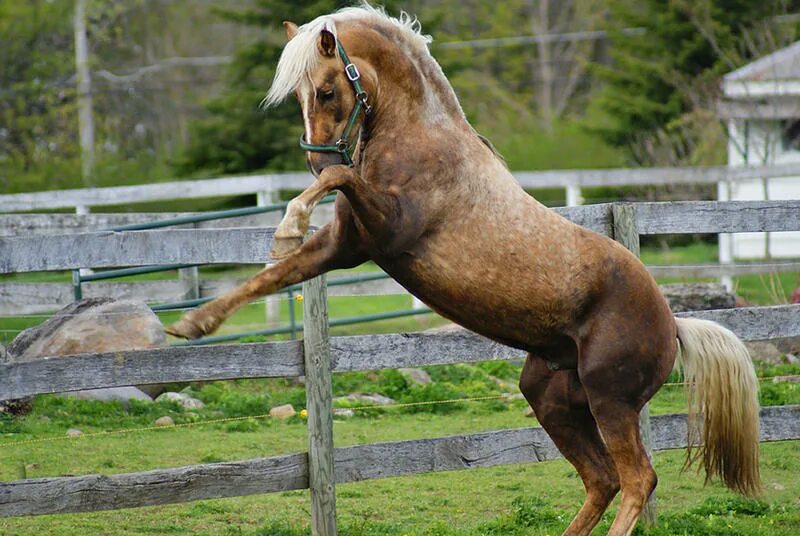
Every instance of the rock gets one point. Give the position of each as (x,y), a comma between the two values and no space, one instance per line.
(181,398)
(123,394)
(74,432)
(369,399)
(764,351)
(282,412)
(415,376)
(777,486)
(529,412)
(697,297)
(164,421)
(4,357)
(509,397)
(343,412)
(89,326)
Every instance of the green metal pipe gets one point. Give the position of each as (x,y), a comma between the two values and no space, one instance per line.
(287,329)
(123,272)
(207,216)
(331,283)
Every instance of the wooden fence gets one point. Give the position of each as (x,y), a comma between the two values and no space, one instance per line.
(36,298)
(319,355)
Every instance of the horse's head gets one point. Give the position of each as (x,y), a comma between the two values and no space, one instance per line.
(333,91)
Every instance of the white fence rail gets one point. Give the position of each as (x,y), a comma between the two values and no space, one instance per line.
(267,185)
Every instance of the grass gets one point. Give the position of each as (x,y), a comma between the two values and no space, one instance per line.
(531,499)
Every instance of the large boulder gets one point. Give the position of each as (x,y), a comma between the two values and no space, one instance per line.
(90,326)
(684,297)
(94,325)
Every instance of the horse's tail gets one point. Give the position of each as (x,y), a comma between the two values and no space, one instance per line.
(723,403)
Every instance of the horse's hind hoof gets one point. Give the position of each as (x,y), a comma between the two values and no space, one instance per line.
(282,247)
(185,328)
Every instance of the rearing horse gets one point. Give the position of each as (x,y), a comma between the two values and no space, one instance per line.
(429,201)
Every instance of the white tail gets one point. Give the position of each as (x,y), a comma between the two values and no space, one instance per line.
(723,403)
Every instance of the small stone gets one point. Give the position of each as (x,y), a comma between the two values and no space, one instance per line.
(182,399)
(282,412)
(777,486)
(164,421)
(74,432)
(44,418)
(415,376)
(529,412)
(373,399)
(343,412)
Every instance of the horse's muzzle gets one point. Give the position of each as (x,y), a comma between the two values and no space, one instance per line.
(316,162)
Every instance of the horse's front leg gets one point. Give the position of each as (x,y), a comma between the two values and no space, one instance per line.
(294,225)
(336,245)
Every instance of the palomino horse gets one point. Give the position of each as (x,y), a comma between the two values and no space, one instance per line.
(430,202)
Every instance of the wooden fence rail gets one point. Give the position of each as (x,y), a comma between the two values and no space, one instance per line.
(352,464)
(97,492)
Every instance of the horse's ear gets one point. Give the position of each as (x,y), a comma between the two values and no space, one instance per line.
(291,29)
(327,43)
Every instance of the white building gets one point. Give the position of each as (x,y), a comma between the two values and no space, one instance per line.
(762,107)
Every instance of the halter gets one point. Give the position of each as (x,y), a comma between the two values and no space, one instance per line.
(343,145)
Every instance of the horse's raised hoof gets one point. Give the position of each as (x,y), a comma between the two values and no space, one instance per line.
(187,328)
(283,246)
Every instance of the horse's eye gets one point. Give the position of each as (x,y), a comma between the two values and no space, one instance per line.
(326,95)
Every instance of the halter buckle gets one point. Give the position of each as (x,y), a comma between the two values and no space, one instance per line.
(352,72)
(341,145)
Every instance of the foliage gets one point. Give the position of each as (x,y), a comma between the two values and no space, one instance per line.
(663,80)
(36,100)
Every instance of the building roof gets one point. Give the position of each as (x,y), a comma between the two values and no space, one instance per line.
(776,75)
(783,64)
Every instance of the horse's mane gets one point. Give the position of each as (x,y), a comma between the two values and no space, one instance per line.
(301,56)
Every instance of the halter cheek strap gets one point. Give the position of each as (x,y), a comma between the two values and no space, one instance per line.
(343,145)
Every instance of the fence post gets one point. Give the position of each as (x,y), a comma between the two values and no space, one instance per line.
(626,233)
(574,195)
(272,302)
(319,395)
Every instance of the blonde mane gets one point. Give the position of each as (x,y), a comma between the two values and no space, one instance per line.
(301,56)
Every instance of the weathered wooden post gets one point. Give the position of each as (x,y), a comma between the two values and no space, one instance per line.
(319,394)
(626,233)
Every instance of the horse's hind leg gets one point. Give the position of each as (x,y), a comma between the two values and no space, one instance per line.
(618,383)
(560,404)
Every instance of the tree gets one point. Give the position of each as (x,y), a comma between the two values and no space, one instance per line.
(662,84)
(237,136)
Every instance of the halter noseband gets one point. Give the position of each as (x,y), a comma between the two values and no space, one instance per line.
(343,145)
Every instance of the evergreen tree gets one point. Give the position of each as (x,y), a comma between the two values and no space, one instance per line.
(682,50)
(237,136)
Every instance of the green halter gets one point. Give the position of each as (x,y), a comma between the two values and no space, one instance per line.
(343,145)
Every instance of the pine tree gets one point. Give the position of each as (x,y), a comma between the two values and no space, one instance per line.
(683,44)
(238,136)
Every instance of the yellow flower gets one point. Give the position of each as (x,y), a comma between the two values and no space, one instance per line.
(303,413)
(299,298)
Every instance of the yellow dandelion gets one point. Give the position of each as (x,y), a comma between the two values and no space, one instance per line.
(299,298)
(303,413)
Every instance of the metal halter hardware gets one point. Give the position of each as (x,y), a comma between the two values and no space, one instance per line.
(343,145)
